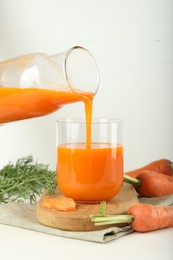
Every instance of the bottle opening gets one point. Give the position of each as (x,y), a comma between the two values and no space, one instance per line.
(81,70)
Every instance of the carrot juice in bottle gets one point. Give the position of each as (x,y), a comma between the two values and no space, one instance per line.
(36,84)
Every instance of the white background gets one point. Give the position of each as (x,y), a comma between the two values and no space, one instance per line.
(132,42)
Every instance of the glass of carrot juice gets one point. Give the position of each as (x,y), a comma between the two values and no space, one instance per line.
(89,159)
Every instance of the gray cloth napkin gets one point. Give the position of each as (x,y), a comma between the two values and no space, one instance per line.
(22,215)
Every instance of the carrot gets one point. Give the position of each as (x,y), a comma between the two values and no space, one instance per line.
(49,202)
(154,184)
(163,165)
(149,217)
(151,184)
(141,217)
(65,204)
(60,203)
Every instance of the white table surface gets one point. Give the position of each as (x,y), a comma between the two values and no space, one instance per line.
(17,243)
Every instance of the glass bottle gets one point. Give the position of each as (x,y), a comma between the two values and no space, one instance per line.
(37,84)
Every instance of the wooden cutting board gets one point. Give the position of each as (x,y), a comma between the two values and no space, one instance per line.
(79,219)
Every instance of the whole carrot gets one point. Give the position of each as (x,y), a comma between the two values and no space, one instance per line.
(154,184)
(149,217)
(141,217)
(151,183)
(163,165)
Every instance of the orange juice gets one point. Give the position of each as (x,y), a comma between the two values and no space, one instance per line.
(17,103)
(90,174)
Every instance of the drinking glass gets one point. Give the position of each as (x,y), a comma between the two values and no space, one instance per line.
(89,171)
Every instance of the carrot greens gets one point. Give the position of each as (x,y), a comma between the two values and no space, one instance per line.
(25,180)
(103,219)
(102,208)
(134,181)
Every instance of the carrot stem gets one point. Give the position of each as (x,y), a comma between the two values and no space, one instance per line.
(112,219)
(171,165)
(134,181)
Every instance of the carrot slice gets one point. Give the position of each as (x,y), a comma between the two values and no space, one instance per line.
(60,203)
(65,204)
(49,202)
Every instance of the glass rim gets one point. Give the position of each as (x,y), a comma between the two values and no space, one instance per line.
(94,121)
